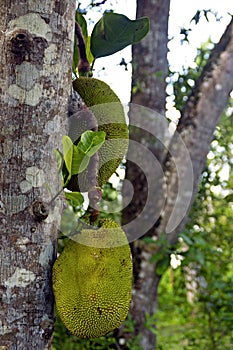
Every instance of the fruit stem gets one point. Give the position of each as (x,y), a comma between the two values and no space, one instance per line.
(95,193)
(83,65)
(92,65)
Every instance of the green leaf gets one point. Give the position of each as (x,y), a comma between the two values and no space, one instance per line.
(80,19)
(80,161)
(90,57)
(68,221)
(151,321)
(75,58)
(75,198)
(162,265)
(77,158)
(229,198)
(91,141)
(67,152)
(157,256)
(200,257)
(83,23)
(59,159)
(148,240)
(186,238)
(113,32)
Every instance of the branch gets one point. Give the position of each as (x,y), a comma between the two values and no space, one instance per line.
(83,65)
(199,119)
(95,193)
(99,3)
(81,119)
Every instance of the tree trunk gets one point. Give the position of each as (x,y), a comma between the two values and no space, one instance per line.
(196,126)
(150,68)
(182,162)
(36,48)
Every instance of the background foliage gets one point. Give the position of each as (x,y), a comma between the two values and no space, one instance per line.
(196,298)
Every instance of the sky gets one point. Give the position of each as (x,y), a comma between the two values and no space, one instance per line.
(181,12)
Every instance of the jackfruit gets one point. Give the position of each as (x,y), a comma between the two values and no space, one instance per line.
(92,281)
(109,113)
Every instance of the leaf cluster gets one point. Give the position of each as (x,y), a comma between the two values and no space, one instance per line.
(112,33)
(198,295)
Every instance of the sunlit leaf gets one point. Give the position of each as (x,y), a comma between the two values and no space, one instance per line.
(113,32)
(90,57)
(80,161)
(67,152)
(91,142)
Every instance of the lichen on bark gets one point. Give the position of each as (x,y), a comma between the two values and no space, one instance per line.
(36,44)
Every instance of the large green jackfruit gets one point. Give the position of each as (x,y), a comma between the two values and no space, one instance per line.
(92,281)
(109,113)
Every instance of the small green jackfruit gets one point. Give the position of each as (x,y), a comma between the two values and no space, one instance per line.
(109,113)
(92,281)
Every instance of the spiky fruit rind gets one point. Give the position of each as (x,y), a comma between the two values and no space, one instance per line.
(92,283)
(110,116)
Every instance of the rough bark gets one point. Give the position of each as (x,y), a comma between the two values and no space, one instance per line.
(182,166)
(196,126)
(36,44)
(150,68)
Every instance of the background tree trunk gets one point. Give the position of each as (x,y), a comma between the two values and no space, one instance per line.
(150,69)
(187,150)
(196,126)
(36,45)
